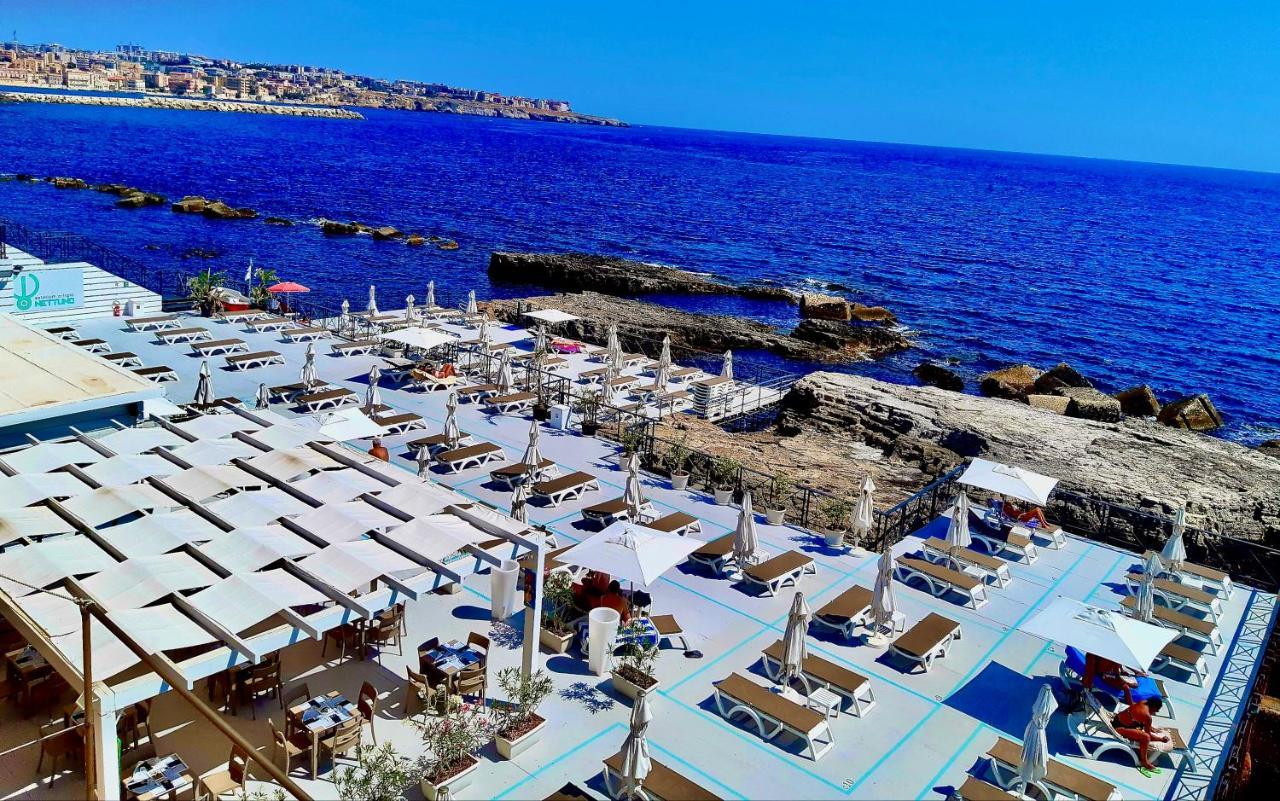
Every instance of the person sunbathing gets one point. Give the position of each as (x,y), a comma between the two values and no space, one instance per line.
(1098,670)
(1134,723)
(446,371)
(1034,517)
(614,599)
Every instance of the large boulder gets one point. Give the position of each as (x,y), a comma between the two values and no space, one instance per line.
(191,204)
(447,244)
(335,228)
(1194,412)
(138,199)
(387,232)
(283,221)
(874,314)
(246,213)
(1050,403)
(854,341)
(62,182)
(1010,383)
(936,375)
(1088,403)
(1062,375)
(1271,448)
(814,306)
(220,211)
(1139,401)
(415,240)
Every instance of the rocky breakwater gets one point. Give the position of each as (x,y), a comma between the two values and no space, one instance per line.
(182,104)
(578,272)
(1136,463)
(642,325)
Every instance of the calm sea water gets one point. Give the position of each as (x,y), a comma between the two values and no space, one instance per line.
(1131,272)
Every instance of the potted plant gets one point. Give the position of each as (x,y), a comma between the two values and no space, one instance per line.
(776,499)
(835,512)
(634,671)
(588,408)
(519,723)
(451,741)
(258,294)
(203,291)
(556,634)
(380,774)
(676,460)
(541,409)
(724,476)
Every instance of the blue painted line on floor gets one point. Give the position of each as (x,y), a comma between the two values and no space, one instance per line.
(946,766)
(548,765)
(675,757)
(1089,598)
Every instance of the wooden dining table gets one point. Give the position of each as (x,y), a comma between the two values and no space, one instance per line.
(318,717)
(158,777)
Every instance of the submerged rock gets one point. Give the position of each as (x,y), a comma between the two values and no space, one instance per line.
(335,228)
(874,314)
(283,221)
(62,182)
(415,240)
(447,244)
(138,199)
(1194,412)
(1010,383)
(387,232)
(939,376)
(1139,401)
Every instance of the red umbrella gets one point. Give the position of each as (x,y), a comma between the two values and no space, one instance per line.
(287,287)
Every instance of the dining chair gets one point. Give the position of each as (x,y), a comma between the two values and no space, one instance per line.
(263,679)
(480,644)
(215,785)
(425,649)
(471,682)
(59,743)
(418,693)
(345,636)
(300,692)
(367,704)
(344,739)
(291,745)
(384,632)
(130,759)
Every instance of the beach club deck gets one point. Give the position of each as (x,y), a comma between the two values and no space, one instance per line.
(926,734)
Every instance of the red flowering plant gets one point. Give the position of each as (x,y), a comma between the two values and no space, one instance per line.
(452,739)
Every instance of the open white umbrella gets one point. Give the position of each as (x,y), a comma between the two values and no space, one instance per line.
(958,529)
(417,337)
(864,516)
(372,395)
(1035,746)
(451,432)
(883,604)
(424,462)
(520,504)
(263,398)
(1104,632)
(408,307)
(204,386)
(505,380)
(634,492)
(664,358)
(1003,479)
(532,456)
(745,541)
(727,370)
(372,308)
(308,374)
(635,749)
(431,296)
(1174,552)
(794,649)
(630,552)
(472,309)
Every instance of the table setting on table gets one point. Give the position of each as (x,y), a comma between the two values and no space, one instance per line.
(158,777)
(318,717)
(452,657)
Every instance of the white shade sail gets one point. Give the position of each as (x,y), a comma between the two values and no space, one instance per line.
(288,435)
(350,566)
(214,451)
(420,499)
(111,503)
(417,337)
(27,488)
(257,508)
(341,425)
(292,463)
(49,456)
(217,426)
(631,552)
(116,471)
(203,482)
(489,519)
(438,536)
(337,486)
(161,628)
(240,601)
(137,582)
(139,439)
(1015,482)
(160,533)
(32,521)
(344,522)
(1104,632)
(551,315)
(253,548)
(46,562)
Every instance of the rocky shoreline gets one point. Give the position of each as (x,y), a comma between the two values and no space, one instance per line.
(182,104)
(641,325)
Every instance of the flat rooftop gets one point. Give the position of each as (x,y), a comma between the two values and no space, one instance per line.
(926,733)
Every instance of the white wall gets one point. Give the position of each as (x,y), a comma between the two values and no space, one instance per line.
(101,290)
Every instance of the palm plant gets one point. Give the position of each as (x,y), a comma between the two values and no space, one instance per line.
(258,294)
(203,289)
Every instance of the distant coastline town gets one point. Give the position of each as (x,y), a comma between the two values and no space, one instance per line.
(218,84)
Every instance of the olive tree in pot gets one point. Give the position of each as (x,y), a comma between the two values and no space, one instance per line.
(724,477)
(777,496)
(835,513)
(636,661)
(541,407)
(677,459)
(556,634)
(588,406)
(452,741)
(380,774)
(519,724)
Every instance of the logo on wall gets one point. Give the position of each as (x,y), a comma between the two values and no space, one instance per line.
(24,294)
(48,290)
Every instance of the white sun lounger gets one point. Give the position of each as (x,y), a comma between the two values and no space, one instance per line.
(93,345)
(509,475)
(153,323)
(1179,596)
(357,347)
(992,567)
(853,687)
(779,571)
(1054,537)
(927,640)
(470,456)
(716,555)
(174,336)
(261,358)
(159,374)
(1095,734)
(219,347)
(274,323)
(429,382)
(1199,575)
(939,580)
(1205,631)
(67,332)
(1185,659)
(772,714)
(400,422)
(1013,541)
(124,358)
(1061,780)
(327,399)
(307,333)
(846,612)
(564,488)
(679,523)
(611,511)
(514,403)
(242,315)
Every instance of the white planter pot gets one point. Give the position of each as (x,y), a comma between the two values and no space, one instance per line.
(625,687)
(679,481)
(602,631)
(510,749)
(776,517)
(723,496)
(502,579)
(454,783)
(834,539)
(555,643)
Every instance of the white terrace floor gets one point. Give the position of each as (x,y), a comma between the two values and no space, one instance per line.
(924,734)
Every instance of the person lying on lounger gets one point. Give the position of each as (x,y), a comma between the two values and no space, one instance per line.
(1032,515)
(1134,723)
(1112,674)
(446,371)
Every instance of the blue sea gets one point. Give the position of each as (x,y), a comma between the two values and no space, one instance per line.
(1133,273)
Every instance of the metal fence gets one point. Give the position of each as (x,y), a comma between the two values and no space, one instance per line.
(59,247)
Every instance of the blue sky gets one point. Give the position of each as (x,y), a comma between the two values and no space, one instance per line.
(1179,82)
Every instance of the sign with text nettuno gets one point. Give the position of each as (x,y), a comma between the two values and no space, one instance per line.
(48,290)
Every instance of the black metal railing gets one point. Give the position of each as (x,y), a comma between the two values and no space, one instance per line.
(60,247)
